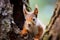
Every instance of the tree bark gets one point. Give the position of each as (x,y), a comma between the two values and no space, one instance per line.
(11,19)
(53,28)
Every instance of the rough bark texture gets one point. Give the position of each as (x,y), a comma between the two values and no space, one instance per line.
(12,19)
(53,28)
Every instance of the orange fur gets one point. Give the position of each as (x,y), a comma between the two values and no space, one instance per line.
(23,32)
(40,31)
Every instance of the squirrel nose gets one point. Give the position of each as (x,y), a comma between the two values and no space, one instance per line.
(29,25)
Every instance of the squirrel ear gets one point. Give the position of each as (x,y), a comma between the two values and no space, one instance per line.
(24,10)
(36,10)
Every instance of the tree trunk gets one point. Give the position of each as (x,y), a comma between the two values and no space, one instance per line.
(11,19)
(53,28)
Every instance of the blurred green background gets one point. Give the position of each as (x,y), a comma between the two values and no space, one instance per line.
(45,7)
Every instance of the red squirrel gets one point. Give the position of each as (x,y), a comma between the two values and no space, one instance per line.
(32,24)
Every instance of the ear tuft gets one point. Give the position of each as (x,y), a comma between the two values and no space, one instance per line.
(24,10)
(36,10)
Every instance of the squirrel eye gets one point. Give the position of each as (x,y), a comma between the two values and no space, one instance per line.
(33,19)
